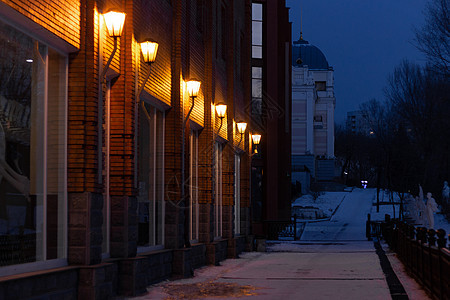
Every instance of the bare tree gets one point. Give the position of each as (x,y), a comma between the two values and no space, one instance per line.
(420,101)
(433,39)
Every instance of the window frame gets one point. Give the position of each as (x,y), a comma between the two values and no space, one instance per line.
(193,187)
(153,245)
(62,49)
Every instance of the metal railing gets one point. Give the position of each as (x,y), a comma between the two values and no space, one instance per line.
(276,230)
(423,252)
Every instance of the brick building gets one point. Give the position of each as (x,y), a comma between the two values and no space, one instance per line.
(271,113)
(110,181)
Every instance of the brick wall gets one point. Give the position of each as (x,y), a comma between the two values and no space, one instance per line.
(61,18)
(187,48)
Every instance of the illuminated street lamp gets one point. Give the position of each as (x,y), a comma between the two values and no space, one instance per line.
(114,21)
(149,50)
(193,87)
(221,109)
(256,138)
(241,126)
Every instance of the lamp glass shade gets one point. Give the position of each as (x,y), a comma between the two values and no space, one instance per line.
(193,87)
(241,126)
(149,50)
(221,109)
(256,138)
(114,23)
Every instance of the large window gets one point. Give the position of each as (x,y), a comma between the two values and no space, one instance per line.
(193,186)
(257,90)
(237,194)
(33,105)
(151,177)
(257,55)
(218,189)
(257,30)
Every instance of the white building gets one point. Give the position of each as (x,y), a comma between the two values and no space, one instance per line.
(313,104)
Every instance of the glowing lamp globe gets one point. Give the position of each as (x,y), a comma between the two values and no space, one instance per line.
(256,138)
(114,23)
(221,109)
(149,50)
(241,126)
(193,87)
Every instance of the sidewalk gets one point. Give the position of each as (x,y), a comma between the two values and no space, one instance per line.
(303,270)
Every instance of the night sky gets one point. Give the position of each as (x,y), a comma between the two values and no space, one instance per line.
(363,40)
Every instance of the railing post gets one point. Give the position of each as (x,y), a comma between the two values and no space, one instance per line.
(441,242)
(431,242)
(431,237)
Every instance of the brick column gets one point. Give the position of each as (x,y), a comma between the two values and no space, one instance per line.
(84,194)
(85,228)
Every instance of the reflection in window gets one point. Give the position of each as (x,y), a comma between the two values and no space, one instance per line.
(256,51)
(257,30)
(256,72)
(151,176)
(257,33)
(257,90)
(32,150)
(257,11)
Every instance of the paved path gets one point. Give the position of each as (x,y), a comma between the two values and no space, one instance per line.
(311,271)
(332,261)
(347,223)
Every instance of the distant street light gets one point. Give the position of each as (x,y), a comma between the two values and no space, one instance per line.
(256,138)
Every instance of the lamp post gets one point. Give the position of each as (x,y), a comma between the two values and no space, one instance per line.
(114,21)
(221,109)
(241,127)
(192,88)
(256,138)
(149,49)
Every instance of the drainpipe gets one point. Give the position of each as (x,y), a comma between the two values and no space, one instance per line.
(187,243)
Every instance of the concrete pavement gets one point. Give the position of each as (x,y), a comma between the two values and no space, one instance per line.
(300,271)
(334,262)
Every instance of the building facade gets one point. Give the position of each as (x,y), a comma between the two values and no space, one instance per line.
(112,177)
(357,122)
(271,112)
(313,103)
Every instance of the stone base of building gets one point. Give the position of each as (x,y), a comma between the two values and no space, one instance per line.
(120,276)
(61,283)
(216,252)
(236,246)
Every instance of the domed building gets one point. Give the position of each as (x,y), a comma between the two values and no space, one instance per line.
(313,103)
